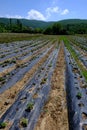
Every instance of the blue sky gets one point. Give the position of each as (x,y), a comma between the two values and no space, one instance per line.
(46,10)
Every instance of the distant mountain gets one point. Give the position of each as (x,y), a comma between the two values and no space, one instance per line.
(41,24)
(73,21)
(69,24)
(26,22)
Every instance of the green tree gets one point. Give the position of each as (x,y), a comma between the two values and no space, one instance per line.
(48,30)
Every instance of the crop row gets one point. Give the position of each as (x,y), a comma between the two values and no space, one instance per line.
(76,77)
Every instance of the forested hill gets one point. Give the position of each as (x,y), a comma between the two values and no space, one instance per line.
(26,22)
(41,24)
(68,26)
(73,21)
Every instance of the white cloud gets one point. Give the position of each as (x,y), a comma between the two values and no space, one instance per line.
(64,12)
(34,14)
(57,10)
(51,10)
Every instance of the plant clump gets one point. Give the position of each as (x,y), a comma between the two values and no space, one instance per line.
(79,95)
(3,125)
(24,122)
(2,79)
(43,81)
(29,107)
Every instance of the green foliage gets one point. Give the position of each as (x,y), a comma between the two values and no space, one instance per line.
(75,56)
(79,95)
(10,37)
(57,28)
(2,79)
(27,23)
(2,125)
(17,26)
(24,122)
(72,21)
(54,29)
(48,30)
(70,26)
(29,106)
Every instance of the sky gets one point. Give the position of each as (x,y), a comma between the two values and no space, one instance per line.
(46,10)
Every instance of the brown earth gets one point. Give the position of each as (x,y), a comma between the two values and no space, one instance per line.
(54,115)
(6,71)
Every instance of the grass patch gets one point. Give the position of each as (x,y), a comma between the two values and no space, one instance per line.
(10,37)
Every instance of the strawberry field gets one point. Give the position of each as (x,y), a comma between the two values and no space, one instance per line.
(44,78)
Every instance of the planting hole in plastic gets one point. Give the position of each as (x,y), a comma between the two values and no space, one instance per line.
(84,116)
(81,105)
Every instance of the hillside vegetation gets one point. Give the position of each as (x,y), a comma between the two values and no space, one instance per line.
(69,26)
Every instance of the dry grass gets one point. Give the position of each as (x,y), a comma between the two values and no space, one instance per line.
(10,37)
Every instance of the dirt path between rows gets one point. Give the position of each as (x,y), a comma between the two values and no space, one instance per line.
(54,115)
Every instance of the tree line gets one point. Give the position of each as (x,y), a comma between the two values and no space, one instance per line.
(18,27)
(55,29)
(68,29)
